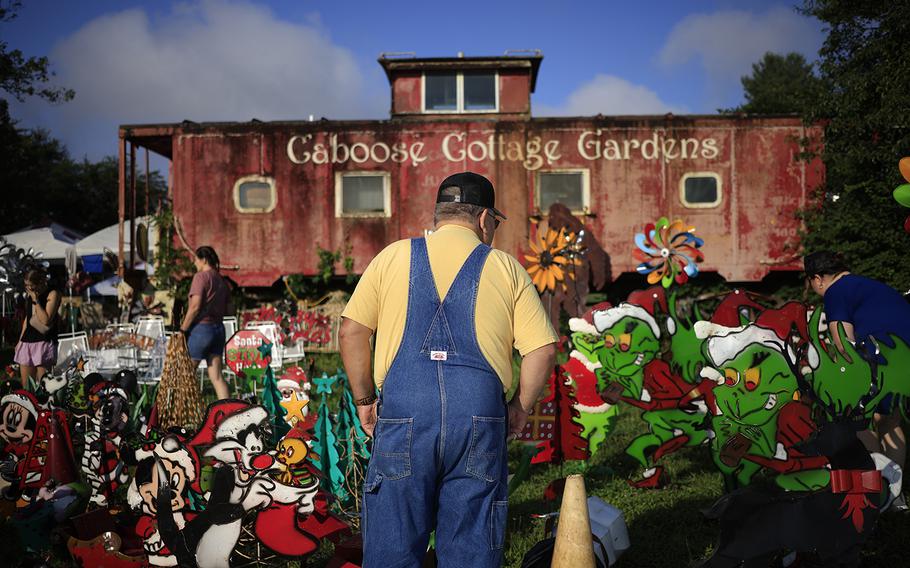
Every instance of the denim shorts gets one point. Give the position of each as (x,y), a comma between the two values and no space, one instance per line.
(206,340)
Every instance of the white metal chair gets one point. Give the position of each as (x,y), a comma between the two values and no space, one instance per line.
(71,343)
(121,327)
(293,353)
(150,326)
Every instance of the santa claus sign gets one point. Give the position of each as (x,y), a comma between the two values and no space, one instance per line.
(248,349)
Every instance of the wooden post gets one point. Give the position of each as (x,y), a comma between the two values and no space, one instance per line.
(574,547)
(132,205)
(121,208)
(148,186)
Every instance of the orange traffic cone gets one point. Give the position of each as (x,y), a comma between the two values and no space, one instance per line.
(574,547)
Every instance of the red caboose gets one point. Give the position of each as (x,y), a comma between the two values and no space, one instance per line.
(265,194)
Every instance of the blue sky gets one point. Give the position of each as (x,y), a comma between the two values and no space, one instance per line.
(147,62)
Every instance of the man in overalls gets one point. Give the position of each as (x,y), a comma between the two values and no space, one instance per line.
(447,311)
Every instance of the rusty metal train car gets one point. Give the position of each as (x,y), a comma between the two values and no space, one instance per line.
(265,194)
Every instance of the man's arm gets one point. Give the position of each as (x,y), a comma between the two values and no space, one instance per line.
(536,367)
(356,356)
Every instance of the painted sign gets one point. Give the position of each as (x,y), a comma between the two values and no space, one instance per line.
(245,350)
(533,153)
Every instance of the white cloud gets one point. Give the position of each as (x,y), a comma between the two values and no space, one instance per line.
(213,60)
(727,43)
(609,95)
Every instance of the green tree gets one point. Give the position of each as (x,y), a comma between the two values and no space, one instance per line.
(780,84)
(866,112)
(22,76)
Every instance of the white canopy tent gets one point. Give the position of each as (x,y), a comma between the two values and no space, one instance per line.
(51,241)
(109,238)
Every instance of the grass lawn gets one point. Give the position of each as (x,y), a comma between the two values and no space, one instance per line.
(666,527)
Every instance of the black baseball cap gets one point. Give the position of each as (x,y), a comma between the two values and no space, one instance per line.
(475,190)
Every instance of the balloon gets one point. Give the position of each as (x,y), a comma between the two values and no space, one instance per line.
(902,193)
(904,166)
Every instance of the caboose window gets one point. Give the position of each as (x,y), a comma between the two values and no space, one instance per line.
(441,91)
(700,190)
(255,194)
(569,187)
(460,92)
(362,194)
(480,91)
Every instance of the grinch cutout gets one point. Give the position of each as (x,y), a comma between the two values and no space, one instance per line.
(757,415)
(595,415)
(860,377)
(633,373)
(102,465)
(181,469)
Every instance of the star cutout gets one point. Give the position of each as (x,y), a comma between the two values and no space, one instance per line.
(324,384)
(265,350)
(294,407)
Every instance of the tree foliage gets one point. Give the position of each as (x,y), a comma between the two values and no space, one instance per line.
(866,112)
(780,84)
(22,76)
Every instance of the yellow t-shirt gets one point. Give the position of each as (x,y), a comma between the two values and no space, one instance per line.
(508,311)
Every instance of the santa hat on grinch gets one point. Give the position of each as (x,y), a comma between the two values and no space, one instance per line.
(24,399)
(293,378)
(585,324)
(171,448)
(773,329)
(606,319)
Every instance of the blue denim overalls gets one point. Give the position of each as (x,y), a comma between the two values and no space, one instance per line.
(439,453)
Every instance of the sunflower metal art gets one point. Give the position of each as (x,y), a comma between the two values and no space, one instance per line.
(555,256)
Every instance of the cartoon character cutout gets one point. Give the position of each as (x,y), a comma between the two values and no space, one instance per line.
(235,435)
(102,465)
(38,450)
(18,419)
(294,387)
(861,376)
(757,415)
(595,415)
(181,470)
(633,373)
(292,453)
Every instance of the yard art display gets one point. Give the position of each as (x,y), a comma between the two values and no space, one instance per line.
(224,490)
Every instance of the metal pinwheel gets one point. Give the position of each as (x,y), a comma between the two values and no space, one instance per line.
(668,252)
(14,264)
